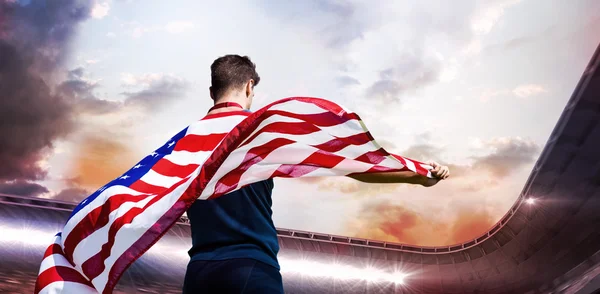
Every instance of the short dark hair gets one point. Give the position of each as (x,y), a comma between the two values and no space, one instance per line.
(230,72)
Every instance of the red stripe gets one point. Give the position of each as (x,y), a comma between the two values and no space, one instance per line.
(418,165)
(323,119)
(319,159)
(290,128)
(95,264)
(373,157)
(58,274)
(322,159)
(255,155)
(143,187)
(338,144)
(169,169)
(197,143)
(96,219)
(53,249)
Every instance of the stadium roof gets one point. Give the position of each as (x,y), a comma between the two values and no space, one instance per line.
(548,241)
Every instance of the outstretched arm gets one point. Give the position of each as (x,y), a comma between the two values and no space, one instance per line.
(439,172)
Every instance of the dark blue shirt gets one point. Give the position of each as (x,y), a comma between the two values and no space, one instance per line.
(236,225)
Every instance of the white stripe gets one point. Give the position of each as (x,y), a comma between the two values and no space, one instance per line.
(92,244)
(132,232)
(272,119)
(62,287)
(99,201)
(298,107)
(346,129)
(156,179)
(353,151)
(183,158)
(54,260)
(289,154)
(391,162)
(215,125)
(410,165)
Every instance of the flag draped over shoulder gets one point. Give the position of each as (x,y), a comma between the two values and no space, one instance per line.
(292,137)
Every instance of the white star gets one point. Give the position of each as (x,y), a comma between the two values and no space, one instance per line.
(171,144)
(153,154)
(138,166)
(84,201)
(102,188)
(125,177)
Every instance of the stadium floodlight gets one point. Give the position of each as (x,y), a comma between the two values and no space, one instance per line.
(25,235)
(340,272)
(530,200)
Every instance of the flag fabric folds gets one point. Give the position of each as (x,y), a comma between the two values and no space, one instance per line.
(293,137)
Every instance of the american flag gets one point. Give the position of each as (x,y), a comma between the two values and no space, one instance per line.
(292,137)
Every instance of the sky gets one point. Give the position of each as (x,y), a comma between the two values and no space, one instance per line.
(89,87)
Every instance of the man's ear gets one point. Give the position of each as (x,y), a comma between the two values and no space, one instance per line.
(249,87)
(211,93)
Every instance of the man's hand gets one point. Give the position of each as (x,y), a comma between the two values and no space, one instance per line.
(439,172)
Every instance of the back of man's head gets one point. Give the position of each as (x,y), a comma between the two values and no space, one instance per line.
(231,72)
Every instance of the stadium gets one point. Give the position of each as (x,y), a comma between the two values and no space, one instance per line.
(548,242)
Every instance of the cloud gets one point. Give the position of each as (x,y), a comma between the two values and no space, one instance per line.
(79,91)
(35,41)
(387,221)
(100,9)
(336,23)
(22,188)
(74,195)
(345,81)
(508,154)
(528,90)
(98,159)
(157,89)
(410,74)
(488,16)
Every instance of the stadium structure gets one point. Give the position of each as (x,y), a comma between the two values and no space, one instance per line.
(548,242)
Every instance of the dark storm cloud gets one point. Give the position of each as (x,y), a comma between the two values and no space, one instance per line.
(72,194)
(79,91)
(34,41)
(31,116)
(22,188)
(157,93)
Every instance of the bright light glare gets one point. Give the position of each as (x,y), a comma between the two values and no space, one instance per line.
(25,236)
(530,201)
(341,272)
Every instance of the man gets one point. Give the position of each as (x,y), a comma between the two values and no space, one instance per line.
(234,242)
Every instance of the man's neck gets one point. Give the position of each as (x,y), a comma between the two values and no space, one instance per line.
(241,101)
